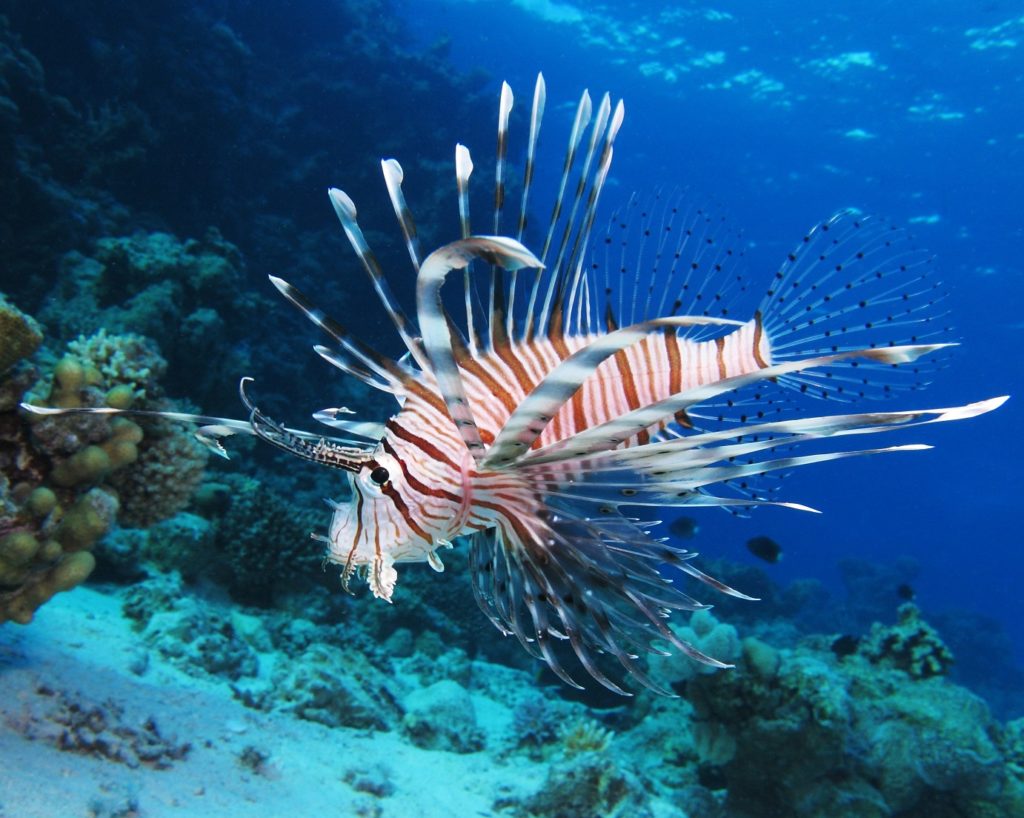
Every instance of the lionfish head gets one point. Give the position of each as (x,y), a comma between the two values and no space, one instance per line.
(373,530)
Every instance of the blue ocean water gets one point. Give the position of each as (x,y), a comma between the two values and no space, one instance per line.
(785,112)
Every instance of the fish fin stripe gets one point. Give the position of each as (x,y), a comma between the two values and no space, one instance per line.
(589,582)
(854,281)
(345,210)
(353,355)
(584,111)
(666,254)
(437,336)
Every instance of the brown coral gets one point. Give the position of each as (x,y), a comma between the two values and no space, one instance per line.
(170,467)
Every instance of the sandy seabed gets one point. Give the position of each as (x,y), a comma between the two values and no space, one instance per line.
(88,729)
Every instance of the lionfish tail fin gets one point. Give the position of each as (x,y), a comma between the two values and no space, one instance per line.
(854,282)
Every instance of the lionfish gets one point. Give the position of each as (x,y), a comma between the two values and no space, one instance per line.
(541,407)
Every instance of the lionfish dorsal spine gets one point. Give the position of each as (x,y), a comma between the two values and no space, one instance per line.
(536,116)
(345,209)
(550,321)
(393,177)
(584,111)
(351,355)
(463,170)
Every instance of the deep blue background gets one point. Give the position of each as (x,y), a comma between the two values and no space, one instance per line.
(753,104)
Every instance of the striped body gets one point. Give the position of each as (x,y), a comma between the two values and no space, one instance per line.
(436,494)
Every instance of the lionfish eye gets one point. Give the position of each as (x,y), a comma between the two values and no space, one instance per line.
(379,475)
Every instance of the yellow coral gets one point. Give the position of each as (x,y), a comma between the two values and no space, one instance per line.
(41,501)
(85,466)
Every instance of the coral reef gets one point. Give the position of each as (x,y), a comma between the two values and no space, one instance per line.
(262,542)
(155,284)
(802,734)
(169,468)
(793,731)
(588,783)
(65,480)
(707,635)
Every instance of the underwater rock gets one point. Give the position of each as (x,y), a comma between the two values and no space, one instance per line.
(182,543)
(537,723)
(441,716)
(201,641)
(338,688)
(99,729)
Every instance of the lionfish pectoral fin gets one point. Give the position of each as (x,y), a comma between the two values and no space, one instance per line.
(568,575)
(611,433)
(678,472)
(437,337)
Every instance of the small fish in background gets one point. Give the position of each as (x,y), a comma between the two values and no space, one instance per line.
(906,592)
(685,528)
(765,548)
(845,645)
